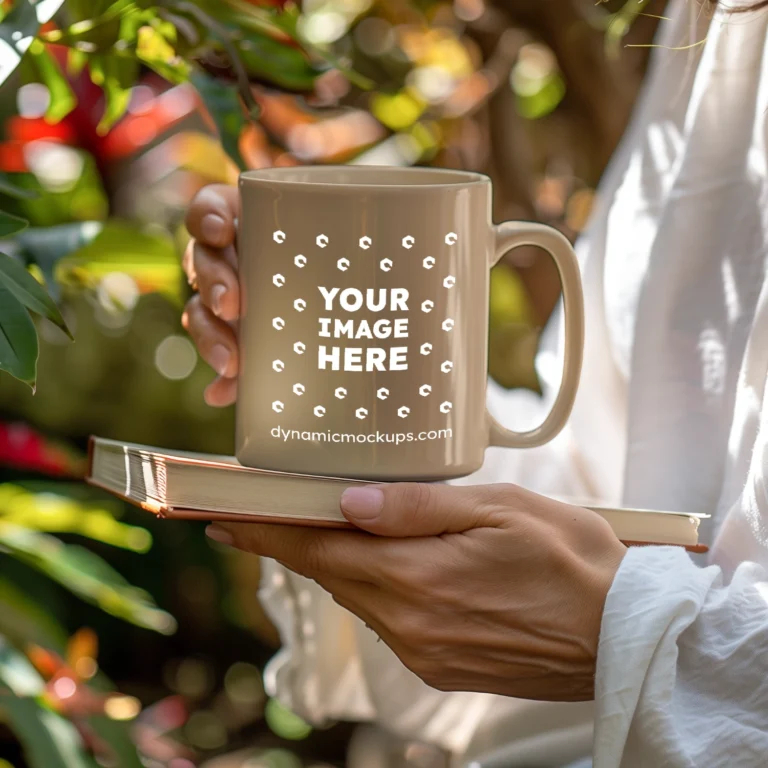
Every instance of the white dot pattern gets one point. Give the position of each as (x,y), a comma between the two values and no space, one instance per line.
(343,264)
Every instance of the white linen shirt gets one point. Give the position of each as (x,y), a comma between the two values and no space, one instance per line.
(671,414)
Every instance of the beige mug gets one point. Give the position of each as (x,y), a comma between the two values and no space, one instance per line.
(364,322)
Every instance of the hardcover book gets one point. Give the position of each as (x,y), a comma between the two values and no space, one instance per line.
(196,486)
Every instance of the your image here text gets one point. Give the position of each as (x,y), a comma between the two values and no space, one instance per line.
(359,358)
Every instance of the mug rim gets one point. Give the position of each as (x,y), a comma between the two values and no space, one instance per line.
(451,179)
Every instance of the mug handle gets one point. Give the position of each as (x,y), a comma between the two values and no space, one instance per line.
(512,234)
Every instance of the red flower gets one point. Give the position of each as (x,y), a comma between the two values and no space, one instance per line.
(23,448)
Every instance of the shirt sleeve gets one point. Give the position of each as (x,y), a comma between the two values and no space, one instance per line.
(682,676)
(331,667)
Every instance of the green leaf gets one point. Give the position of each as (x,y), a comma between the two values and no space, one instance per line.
(509,301)
(46,246)
(513,336)
(17,31)
(80,10)
(266,43)
(93,26)
(63,99)
(118,736)
(512,351)
(174,71)
(86,575)
(131,23)
(356,78)
(7,187)
(116,76)
(155,50)
(283,65)
(245,16)
(271,48)
(223,104)
(76,61)
(151,260)
(18,338)
(17,673)
(48,739)
(154,43)
(56,513)
(285,723)
(15,278)
(544,100)
(24,621)
(10,224)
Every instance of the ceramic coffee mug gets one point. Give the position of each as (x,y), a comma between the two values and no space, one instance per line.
(364,322)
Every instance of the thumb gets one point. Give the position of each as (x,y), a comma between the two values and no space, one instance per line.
(405,510)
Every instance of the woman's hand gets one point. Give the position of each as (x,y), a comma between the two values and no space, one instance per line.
(210,262)
(486,588)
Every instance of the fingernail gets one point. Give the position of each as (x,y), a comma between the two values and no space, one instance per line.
(217,294)
(212,228)
(207,395)
(362,503)
(219,534)
(219,359)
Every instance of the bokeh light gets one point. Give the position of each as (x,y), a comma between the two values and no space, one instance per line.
(122,707)
(273,758)
(374,36)
(243,684)
(56,166)
(33,100)
(285,723)
(323,26)
(118,292)
(193,678)
(175,357)
(64,687)
(205,730)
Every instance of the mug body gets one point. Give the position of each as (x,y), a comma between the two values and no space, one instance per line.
(364,321)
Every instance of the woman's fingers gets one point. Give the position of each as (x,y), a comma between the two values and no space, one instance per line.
(221,392)
(210,262)
(212,214)
(215,279)
(214,339)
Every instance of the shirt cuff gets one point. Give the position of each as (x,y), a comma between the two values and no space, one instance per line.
(657,593)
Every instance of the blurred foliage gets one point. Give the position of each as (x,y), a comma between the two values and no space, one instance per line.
(115,112)
(114,39)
